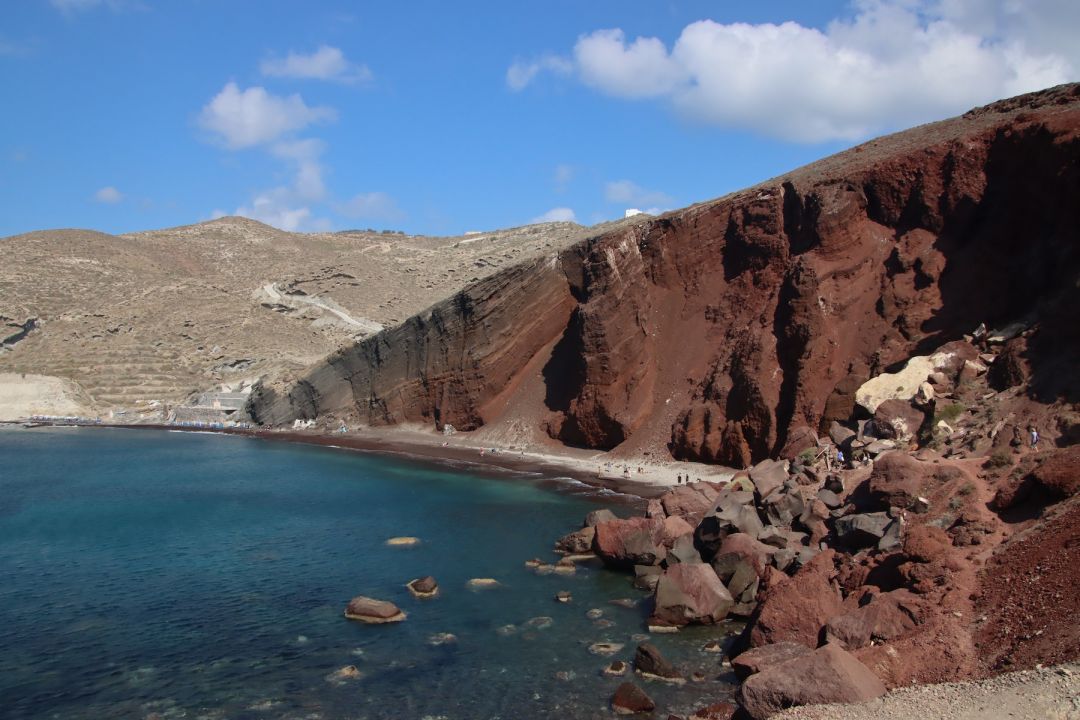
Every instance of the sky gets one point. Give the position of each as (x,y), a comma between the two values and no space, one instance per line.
(441,118)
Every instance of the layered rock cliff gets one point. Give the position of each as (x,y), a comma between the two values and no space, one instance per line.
(718,330)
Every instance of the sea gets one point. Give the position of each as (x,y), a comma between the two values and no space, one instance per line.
(154,575)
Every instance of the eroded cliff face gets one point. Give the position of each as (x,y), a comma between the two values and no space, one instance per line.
(717,330)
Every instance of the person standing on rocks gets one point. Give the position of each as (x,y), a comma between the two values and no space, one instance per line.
(1034,437)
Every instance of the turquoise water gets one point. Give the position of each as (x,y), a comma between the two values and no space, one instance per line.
(176,575)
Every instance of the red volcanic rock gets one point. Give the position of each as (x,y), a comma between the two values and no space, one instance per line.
(799,440)
(761,658)
(629,699)
(690,593)
(672,528)
(690,502)
(795,610)
(1011,367)
(1056,476)
(840,403)
(827,675)
(629,542)
(373,611)
(897,420)
(716,711)
(886,617)
(722,329)
(577,542)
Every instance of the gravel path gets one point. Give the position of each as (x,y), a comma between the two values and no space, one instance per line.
(1047,694)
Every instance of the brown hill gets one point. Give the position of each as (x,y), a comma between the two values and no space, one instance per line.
(157,316)
(716,331)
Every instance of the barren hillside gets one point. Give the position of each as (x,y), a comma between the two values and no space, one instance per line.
(156,316)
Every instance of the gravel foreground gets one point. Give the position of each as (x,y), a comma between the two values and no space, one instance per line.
(1046,694)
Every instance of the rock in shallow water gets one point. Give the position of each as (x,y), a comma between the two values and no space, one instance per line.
(424,587)
(406,541)
(372,611)
(629,699)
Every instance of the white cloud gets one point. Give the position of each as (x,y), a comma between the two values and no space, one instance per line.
(626,192)
(893,63)
(559,214)
(522,72)
(326,63)
(371,206)
(268,208)
(70,7)
(243,118)
(108,195)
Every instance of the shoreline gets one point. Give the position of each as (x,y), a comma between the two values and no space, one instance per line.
(594,468)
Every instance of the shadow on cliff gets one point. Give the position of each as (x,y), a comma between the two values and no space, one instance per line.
(1014,254)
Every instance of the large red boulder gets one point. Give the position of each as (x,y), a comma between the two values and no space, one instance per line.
(629,542)
(887,616)
(629,699)
(690,593)
(690,502)
(796,609)
(830,674)
(761,658)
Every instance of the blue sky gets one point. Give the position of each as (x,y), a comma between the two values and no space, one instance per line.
(134,114)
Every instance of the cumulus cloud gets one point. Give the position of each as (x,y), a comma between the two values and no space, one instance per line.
(108,195)
(243,118)
(893,63)
(559,214)
(522,72)
(326,63)
(371,206)
(626,192)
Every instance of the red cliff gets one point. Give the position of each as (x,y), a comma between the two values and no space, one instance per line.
(717,330)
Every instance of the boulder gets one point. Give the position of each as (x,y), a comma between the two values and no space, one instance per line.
(683,551)
(904,384)
(745,547)
(672,528)
(372,611)
(830,499)
(887,616)
(768,476)
(799,440)
(734,513)
(761,658)
(716,711)
(861,530)
(647,576)
(796,609)
(783,506)
(577,543)
(841,435)
(634,541)
(424,587)
(971,370)
(897,420)
(564,596)
(1010,369)
(1054,477)
(598,516)
(649,662)
(690,502)
(655,509)
(830,674)
(690,593)
(629,699)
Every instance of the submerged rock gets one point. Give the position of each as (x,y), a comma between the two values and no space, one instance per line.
(405,541)
(375,612)
(482,583)
(617,668)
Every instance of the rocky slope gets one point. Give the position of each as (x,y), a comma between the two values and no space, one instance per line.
(719,332)
(155,316)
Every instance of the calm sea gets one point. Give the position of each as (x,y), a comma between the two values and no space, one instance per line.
(148,574)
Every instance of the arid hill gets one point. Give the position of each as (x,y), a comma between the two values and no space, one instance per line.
(716,332)
(157,316)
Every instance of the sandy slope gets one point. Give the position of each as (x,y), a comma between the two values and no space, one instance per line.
(24,395)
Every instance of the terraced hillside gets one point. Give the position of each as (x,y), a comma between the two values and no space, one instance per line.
(159,315)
